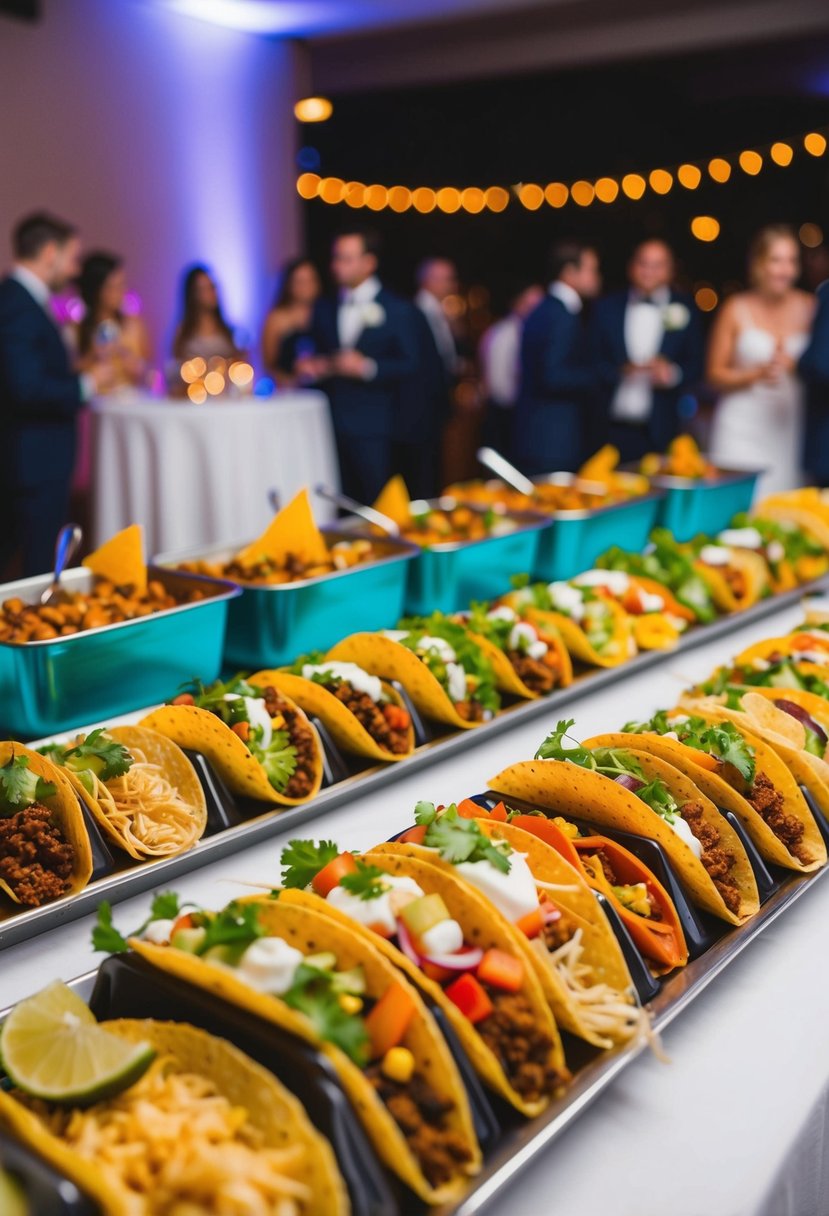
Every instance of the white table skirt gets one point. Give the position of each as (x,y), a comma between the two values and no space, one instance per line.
(201,474)
(733,1126)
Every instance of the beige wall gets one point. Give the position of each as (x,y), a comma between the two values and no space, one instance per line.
(164,138)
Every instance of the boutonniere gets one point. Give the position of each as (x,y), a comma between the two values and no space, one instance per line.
(676,316)
(372,314)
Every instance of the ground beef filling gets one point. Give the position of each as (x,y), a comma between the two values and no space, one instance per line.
(370,715)
(558,929)
(768,803)
(35,859)
(512,1035)
(470,711)
(302,738)
(717,861)
(537,676)
(736,581)
(422,1115)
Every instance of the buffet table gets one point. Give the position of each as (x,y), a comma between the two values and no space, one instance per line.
(200,474)
(733,1126)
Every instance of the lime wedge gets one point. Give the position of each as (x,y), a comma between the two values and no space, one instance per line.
(12,1200)
(52,1047)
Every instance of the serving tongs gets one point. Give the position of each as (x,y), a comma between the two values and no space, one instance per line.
(501,467)
(66,545)
(369,514)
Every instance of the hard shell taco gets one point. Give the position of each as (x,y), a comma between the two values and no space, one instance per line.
(44,845)
(635,791)
(445,938)
(736,577)
(364,714)
(298,969)
(139,786)
(807,646)
(529,660)
(444,671)
(201,1123)
(739,772)
(595,628)
(667,563)
(657,618)
(807,508)
(791,554)
(638,897)
(560,928)
(257,739)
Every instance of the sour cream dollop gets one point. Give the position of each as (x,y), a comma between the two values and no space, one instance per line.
(566,598)
(446,937)
(741,538)
(351,673)
(514,894)
(257,715)
(651,602)
(269,964)
(616,581)
(377,911)
(524,637)
(714,555)
(438,646)
(456,682)
(502,613)
(158,932)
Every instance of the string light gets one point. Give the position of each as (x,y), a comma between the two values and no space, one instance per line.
(705,227)
(313,109)
(705,297)
(811,235)
(473,199)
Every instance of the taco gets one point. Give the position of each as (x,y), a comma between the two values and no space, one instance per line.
(200,1123)
(363,713)
(44,845)
(443,670)
(636,894)
(801,694)
(806,508)
(259,742)
(657,617)
(739,772)
(300,970)
(787,736)
(634,791)
(792,555)
(560,928)
(139,787)
(441,933)
(736,577)
(595,628)
(668,564)
(529,660)
(807,646)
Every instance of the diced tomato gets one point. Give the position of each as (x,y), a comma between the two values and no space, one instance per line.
(471,998)
(501,970)
(439,974)
(330,875)
(396,716)
(552,659)
(389,1020)
(531,924)
(414,835)
(242,729)
(468,809)
(184,698)
(185,921)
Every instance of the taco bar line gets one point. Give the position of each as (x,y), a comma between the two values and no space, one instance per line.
(748,1080)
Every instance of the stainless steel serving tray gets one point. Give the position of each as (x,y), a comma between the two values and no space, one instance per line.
(522,1145)
(122,885)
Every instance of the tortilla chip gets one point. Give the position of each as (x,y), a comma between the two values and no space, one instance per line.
(278,1116)
(293,530)
(201,731)
(394,500)
(121,559)
(66,814)
(386,658)
(570,790)
(310,930)
(601,465)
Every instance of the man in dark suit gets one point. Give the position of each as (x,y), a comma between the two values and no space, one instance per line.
(557,382)
(367,345)
(39,393)
(646,343)
(814,370)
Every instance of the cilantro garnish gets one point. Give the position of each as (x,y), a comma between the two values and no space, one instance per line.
(667,564)
(212,697)
(719,739)
(367,882)
(278,759)
(236,925)
(302,860)
(97,753)
(458,839)
(107,939)
(480,675)
(313,994)
(20,787)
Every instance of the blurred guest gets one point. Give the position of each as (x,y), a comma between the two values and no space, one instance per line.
(437,279)
(816,267)
(500,358)
(287,331)
(647,344)
(366,344)
(557,382)
(423,407)
(203,331)
(105,326)
(814,370)
(757,339)
(40,395)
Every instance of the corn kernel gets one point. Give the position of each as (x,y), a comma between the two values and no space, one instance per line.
(349,1003)
(398,1064)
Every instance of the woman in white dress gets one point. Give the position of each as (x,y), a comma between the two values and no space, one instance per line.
(755,344)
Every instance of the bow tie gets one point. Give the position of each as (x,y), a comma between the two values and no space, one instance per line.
(643,299)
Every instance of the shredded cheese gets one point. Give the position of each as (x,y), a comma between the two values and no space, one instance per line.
(147,811)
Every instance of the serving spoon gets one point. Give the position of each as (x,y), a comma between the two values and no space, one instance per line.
(66,544)
(369,514)
(501,467)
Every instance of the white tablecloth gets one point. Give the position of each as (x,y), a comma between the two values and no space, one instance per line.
(198,474)
(733,1126)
